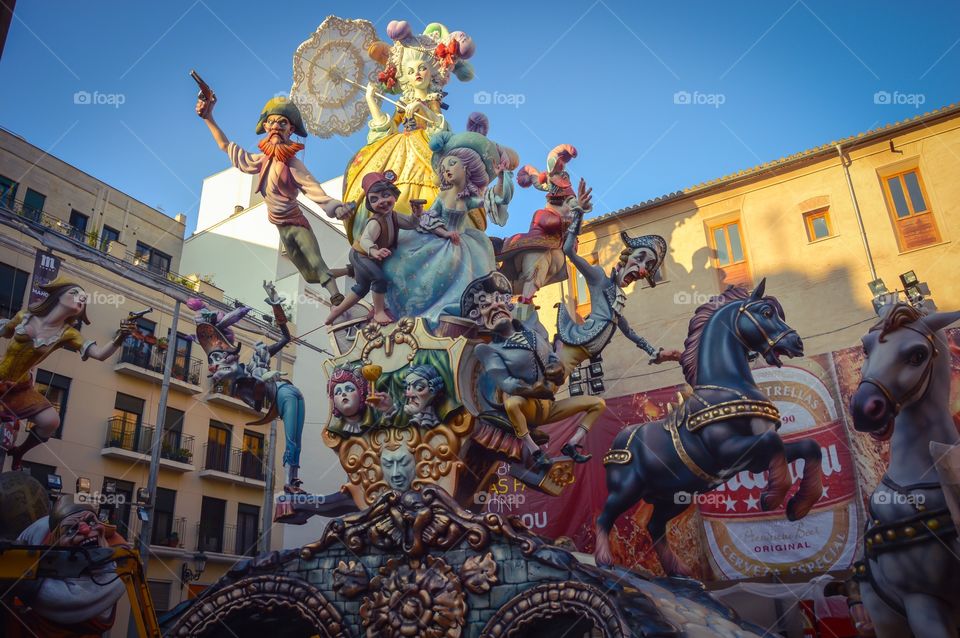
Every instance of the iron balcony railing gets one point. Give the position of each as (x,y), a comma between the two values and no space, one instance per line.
(226,539)
(175,536)
(236,461)
(149,357)
(129,435)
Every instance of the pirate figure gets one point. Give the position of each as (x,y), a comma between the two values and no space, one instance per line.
(256,385)
(641,258)
(524,370)
(282,176)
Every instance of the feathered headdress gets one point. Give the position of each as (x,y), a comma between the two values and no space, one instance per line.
(555,181)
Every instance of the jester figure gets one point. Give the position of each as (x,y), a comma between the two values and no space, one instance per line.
(282,176)
(524,370)
(641,258)
(254,383)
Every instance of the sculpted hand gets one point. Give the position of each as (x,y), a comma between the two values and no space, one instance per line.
(416,207)
(553,372)
(584,196)
(537,391)
(667,355)
(454,236)
(343,211)
(380,253)
(205,108)
(381,401)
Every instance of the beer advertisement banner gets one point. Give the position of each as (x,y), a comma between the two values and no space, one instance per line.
(745,542)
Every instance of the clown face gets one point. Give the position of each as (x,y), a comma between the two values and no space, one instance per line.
(397,466)
(81,529)
(222,366)
(640,264)
(346,398)
(417,394)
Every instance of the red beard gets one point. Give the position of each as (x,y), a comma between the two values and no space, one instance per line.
(280,151)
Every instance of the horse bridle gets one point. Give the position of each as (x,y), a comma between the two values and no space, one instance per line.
(771,343)
(919,389)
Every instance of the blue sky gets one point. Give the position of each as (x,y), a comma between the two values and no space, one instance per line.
(765,79)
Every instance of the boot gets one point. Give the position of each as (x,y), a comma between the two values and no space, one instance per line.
(293,482)
(573,451)
(540,461)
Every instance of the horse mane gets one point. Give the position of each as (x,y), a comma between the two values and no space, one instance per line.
(900,315)
(691,346)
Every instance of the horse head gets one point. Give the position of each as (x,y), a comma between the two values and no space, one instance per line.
(902,352)
(759,325)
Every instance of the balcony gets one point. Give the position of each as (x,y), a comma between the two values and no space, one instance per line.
(145,361)
(221,394)
(164,543)
(226,539)
(130,441)
(233,465)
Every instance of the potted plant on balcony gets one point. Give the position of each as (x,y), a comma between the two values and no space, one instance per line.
(183,455)
(162,344)
(167,452)
(173,540)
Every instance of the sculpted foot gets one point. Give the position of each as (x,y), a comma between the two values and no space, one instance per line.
(573,451)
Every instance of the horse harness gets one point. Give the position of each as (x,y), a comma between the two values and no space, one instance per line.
(919,389)
(696,413)
(880,538)
(771,343)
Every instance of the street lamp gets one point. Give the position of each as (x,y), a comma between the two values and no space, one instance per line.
(199,564)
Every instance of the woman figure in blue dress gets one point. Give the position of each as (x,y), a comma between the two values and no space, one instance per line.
(433,268)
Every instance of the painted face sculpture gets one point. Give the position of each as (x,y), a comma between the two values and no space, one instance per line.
(278,129)
(487,301)
(423,386)
(347,390)
(639,264)
(346,396)
(74,300)
(222,365)
(398,465)
(416,73)
(80,529)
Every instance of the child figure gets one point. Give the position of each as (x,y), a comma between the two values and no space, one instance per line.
(377,242)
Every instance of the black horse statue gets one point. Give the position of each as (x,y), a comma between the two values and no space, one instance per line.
(727,425)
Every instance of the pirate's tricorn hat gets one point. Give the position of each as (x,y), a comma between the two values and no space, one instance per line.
(212,340)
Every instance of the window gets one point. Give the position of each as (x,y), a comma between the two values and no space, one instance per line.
(78,225)
(153,259)
(248,524)
(910,209)
(818,224)
(8,191)
(139,351)
(107,235)
(181,359)
(160,594)
(13,286)
(163,517)
(730,258)
(118,512)
(218,447)
(125,430)
(210,528)
(33,204)
(57,389)
(39,471)
(251,460)
(172,430)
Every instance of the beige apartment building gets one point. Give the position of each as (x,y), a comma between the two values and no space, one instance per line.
(213,468)
(804,222)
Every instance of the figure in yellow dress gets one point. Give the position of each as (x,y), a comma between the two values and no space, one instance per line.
(45,327)
(416,69)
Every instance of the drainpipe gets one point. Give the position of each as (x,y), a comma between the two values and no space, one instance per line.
(856,210)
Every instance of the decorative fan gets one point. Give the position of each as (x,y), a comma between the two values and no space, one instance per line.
(330,73)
